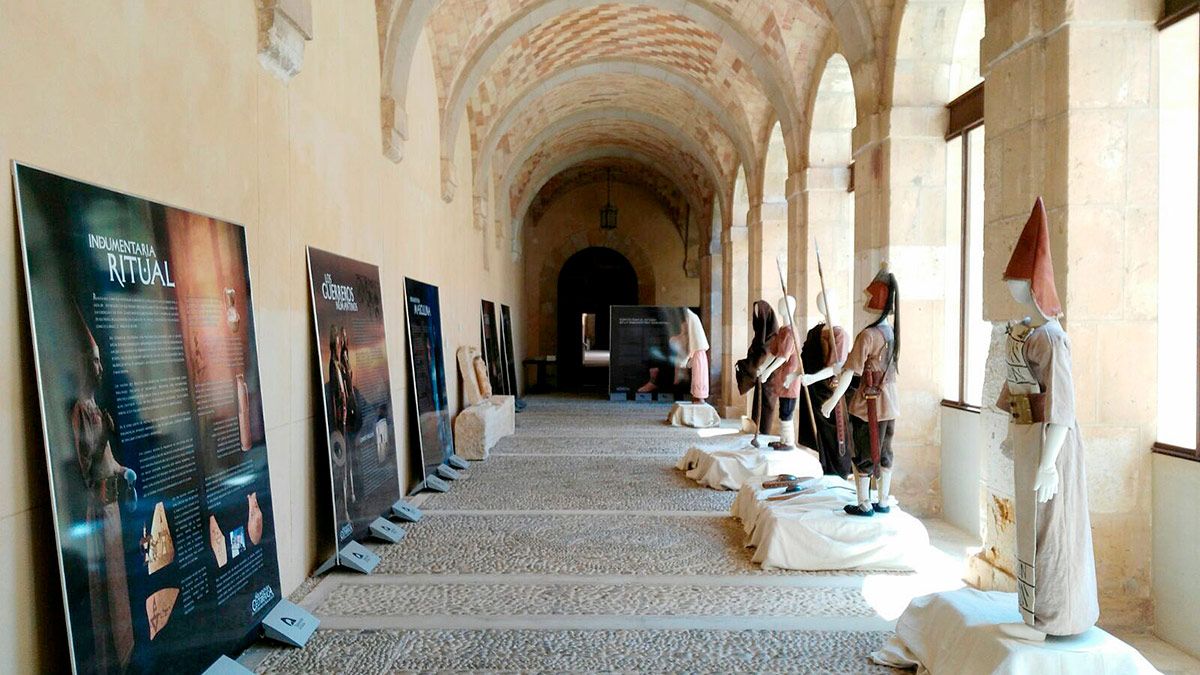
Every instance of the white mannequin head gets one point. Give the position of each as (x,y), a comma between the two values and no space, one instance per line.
(787,310)
(824,299)
(1022,292)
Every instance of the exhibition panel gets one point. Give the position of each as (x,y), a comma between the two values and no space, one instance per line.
(426,362)
(359,417)
(148,378)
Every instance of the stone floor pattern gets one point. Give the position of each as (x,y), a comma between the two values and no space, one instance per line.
(577,547)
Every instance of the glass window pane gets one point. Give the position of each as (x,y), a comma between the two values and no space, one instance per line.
(1177,175)
(978,331)
(953,330)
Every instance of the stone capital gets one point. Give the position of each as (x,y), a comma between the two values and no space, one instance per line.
(394,122)
(283,28)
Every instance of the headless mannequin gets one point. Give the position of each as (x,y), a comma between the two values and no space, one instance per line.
(1046,483)
(809,379)
(862,483)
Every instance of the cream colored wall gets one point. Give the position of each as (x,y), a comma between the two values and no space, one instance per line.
(645,235)
(168,101)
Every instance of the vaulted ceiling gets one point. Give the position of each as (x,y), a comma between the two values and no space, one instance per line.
(688,89)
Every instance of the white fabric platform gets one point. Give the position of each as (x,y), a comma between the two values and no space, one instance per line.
(729,469)
(695,415)
(958,632)
(810,531)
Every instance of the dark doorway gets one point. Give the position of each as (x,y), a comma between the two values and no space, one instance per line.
(590,282)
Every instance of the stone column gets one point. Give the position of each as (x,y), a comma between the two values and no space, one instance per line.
(829,212)
(756,270)
(900,217)
(735,259)
(711,313)
(1071,115)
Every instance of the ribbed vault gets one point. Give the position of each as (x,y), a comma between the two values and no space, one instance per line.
(693,85)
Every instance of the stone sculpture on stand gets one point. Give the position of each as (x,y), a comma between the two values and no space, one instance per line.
(487,417)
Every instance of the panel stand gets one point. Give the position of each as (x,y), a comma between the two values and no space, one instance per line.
(406,512)
(457,462)
(448,473)
(227,666)
(386,530)
(353,556)
(436,484)
(618,396)
(290,624)
(665,398)
(645,397)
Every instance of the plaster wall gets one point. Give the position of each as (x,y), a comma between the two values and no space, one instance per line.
(169,101)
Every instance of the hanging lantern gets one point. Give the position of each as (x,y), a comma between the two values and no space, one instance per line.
(608,212)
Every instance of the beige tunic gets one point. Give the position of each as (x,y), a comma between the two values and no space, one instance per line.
(1056,571)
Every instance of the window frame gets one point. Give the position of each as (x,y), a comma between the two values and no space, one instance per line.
(1173,13)
(965,114)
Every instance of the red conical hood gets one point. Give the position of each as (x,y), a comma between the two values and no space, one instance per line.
(1031,262)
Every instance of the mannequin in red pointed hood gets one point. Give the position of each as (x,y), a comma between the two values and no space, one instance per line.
(1056,572)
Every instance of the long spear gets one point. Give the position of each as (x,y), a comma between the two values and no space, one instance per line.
(796,346)
(840,420)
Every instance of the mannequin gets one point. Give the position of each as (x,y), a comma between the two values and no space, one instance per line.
(749,369)
(875,357)
(780,373)
(823,355)
(1056,571)
(691,348)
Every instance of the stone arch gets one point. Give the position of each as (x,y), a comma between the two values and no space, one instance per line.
(829,203)
(520,195)
(734,126)
(476,64)
(400,24)
(771,240)
(546,302)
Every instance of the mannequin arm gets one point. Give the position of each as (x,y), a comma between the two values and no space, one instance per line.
(822,374)
(1046,483)
(769,366)
(843,386)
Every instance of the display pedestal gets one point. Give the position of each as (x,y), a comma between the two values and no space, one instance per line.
(406,512)
(353,556)
(385,530)
(227,666)
(730,469)
(479,427)
(289,624)
(959,632)
(695,415)
(436,484)
(811,531)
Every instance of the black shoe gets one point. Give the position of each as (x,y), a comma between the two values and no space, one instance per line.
(880,508)
(856,510)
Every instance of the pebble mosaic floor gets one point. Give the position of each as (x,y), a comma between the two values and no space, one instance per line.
(576,547)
